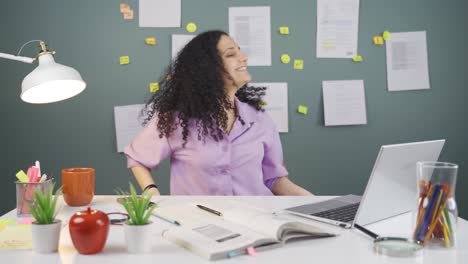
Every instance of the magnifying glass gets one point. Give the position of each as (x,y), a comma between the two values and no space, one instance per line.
(393,246)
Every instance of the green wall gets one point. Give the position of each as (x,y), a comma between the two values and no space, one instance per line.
(90,35)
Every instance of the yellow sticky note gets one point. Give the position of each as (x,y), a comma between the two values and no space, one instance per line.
(378,40)
(16,238)
(302,109)
(22,177)
(150,41)
(124,60)
(285,58)
(154,87)
(6,222)
(284,30)
(357,58)
(298,64)
(191,27)
(386,35)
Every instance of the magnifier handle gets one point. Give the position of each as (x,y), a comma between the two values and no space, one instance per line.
(366,231)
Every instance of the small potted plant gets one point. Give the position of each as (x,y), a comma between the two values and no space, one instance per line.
(45,229)
(137,228)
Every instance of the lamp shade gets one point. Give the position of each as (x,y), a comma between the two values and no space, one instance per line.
(51,82)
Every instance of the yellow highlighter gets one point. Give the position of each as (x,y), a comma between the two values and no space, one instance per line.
(22,177)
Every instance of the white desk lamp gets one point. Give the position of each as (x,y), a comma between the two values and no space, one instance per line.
(50,81)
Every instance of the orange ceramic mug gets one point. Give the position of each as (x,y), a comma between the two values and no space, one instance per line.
(78,186)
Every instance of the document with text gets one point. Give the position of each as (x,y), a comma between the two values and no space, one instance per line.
(178,43)
(337,28)
(127,124)
(407,67)
(159,13)
(344,103)
(250,27)
(276,98)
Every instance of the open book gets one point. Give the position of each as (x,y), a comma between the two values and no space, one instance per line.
(238,228)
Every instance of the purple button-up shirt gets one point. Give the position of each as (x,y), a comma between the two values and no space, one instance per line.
(248,161)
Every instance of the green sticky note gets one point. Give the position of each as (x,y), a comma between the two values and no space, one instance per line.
(22,177)
(302,109)
(298,64)
(284,30)
(285,58)
(386,35)
(357,58)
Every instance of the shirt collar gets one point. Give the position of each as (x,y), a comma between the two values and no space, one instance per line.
(245,111)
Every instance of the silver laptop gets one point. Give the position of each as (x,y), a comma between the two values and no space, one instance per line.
(390,191)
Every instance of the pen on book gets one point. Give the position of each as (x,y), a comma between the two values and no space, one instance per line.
(174,222)
(209,210)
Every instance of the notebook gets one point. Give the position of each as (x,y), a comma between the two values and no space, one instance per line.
(390,191)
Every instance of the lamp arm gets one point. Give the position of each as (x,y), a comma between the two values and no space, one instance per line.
(21,58)
(17,58)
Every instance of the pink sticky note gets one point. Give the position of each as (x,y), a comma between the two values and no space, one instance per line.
(34,174)
(29,173)
(25,220)
(252,251)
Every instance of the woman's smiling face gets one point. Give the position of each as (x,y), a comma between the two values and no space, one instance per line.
(235,63)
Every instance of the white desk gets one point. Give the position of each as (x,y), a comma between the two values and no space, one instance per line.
(351,246)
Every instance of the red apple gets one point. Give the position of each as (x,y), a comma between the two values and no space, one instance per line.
(89,230)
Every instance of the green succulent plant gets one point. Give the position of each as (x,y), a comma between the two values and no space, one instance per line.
(43,209)
(138,207)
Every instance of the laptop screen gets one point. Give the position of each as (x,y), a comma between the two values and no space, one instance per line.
(392,186)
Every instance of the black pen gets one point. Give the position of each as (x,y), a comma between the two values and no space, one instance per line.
(209,210)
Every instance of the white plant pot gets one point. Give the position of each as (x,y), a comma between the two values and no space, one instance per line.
(138,238)
(45,238)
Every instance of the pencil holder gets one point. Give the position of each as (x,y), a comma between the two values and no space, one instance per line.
(25,195)
(436,214)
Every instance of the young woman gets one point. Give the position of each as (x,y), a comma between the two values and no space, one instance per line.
(210,124)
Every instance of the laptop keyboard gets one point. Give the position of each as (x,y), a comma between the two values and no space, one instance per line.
(344,214)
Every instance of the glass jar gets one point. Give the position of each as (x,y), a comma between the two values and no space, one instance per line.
(436,213)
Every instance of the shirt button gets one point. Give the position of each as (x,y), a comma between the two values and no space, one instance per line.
(224,171)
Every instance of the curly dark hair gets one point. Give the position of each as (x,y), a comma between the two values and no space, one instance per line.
(192,90)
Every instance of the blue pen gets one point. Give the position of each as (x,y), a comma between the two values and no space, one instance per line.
(174,222)
(428,215)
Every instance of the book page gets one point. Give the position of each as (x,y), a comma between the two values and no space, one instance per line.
(266,222)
